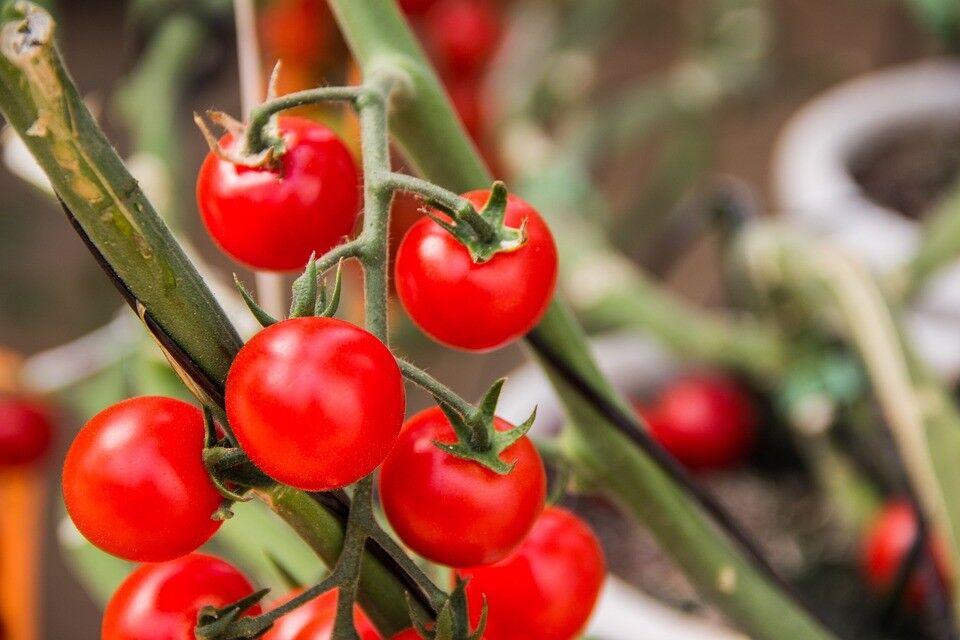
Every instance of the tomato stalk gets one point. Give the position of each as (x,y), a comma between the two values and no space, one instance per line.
(427,130)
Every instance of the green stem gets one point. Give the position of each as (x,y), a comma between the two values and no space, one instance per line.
(425,126)
(435,388)
(259,118)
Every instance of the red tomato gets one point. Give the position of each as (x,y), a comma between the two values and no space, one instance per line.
(134,481)
(314,620)
(454,511)
(886,544)
(274,219)
(26,430)
(416,7)
(293,30)
(161,601)
(315,402)
(547,588)
(407,634)
(463,34)
(474,306)
(705,422)
(465,96)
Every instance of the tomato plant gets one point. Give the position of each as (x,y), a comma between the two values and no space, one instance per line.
(134,482)
(161,601)
(455,511)
(314,620)
(705,422)
(298,398)
(26,430)
(275,217)
(472,305)
(885,546)
(547,588)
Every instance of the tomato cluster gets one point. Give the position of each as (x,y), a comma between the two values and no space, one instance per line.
(704,421)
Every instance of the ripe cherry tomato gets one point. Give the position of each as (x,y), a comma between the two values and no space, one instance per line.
(134,481)
(454,511)
(161,601)
(275,218)
(476,306)
(315,402)
(463,35)
(705,422)
(416,7)
(293,30)
(886,544)
(314,620)
(25,431)
(547,588)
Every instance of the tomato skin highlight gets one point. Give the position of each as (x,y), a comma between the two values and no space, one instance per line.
(547,588)
(134,483)
(463,34)
(705,422)
(161,601)
(454,511)
(470,306)
(274,219)
(885,545)
(300,400)
(26,431)
(314,620)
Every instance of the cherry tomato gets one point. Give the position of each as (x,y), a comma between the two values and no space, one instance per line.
(547,588)
(476,306)
(161,601)
(465,96)
(26,430)
(314,620)
(705,422)
(293,30)
(407,634)
(275,218)
(134,481)
(454,511)
(315,402)
(886,544)
(463,35)
(416,7)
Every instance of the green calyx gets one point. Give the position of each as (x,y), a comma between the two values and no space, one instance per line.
(215,623)
(477,438)
(452,620)
(483,233)
(309,296)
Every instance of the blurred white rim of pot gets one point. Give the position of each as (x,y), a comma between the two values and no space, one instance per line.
(814,189)
(635,365)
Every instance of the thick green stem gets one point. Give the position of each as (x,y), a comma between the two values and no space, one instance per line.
(124,232)
(426,128)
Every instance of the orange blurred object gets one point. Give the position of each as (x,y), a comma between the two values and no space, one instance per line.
(22,493)
(295,31)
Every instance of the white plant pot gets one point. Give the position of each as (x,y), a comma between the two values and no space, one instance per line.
(814,190)
(633,364)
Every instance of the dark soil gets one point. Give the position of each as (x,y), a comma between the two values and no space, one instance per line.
(910,169)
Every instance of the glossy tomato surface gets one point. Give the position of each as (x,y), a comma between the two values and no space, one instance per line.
(547,588)
(315,402)
(463,35)
(26,429)
(454,511)
(885,546)
(274,219)
(134,481)
(705,422)
(476,306)
(161,601)
(314,620)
